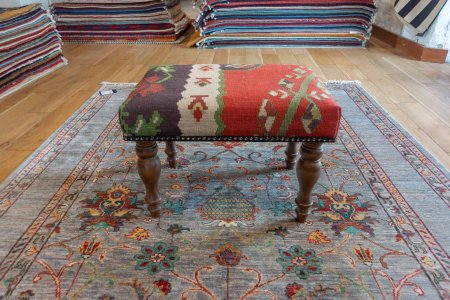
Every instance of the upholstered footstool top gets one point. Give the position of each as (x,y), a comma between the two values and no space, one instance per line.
(230,102)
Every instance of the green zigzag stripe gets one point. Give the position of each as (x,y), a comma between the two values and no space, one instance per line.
(122,115)
(167,70)
(219,99)
(293,105)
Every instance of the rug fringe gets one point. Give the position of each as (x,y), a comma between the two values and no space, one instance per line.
(135,83)
(118,84)
(344,82)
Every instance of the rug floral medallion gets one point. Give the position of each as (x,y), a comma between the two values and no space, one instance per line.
(74,224)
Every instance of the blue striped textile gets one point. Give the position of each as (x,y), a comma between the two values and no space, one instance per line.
(419,14)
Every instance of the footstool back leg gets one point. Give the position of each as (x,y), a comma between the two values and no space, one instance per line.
(149,168)
(171,152)
(308,172)
(291,155)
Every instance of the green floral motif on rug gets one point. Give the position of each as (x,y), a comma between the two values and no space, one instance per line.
(75,225)
(160,257)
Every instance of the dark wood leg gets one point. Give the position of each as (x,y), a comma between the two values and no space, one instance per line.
(308,172)
(291,155)
(149,168)
(171,152)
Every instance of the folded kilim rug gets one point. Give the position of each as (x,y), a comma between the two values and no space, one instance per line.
(74,225)
(284,23)
(30,47)
(123,21)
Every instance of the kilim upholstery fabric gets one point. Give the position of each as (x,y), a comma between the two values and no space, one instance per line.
(230,102)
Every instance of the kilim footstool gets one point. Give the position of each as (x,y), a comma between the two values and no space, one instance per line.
(254,103)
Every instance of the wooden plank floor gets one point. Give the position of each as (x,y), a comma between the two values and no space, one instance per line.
(416,94)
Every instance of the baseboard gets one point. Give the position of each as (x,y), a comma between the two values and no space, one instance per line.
(411,48)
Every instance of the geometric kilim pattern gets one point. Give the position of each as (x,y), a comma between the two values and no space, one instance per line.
(230,102)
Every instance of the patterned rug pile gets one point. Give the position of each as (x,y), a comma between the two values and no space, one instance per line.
(284,23)
(74,225)
(123,21)
(30,47)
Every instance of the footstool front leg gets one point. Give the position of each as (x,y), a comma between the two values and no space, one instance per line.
(308,172)
(149,168)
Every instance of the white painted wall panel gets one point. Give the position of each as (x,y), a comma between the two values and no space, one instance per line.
(15,3)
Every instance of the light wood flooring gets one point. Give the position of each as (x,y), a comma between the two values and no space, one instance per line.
(416,94)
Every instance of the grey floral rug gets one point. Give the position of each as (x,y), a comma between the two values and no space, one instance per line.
(74,226)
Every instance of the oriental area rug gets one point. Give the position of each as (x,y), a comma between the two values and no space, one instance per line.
(74,225)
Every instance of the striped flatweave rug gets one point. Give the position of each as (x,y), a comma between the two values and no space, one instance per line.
(420,14)
(284,23)
(30,47)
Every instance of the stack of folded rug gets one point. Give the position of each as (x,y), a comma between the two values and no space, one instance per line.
(120,21)
(284,23)
(30,47)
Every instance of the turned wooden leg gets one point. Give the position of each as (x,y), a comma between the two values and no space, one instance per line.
(149,168)
(291,155)
(308,172)
(171,152)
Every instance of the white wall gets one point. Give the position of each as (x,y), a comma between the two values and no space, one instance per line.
(386,16)
(26,2)
(9,3)
(15,3)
